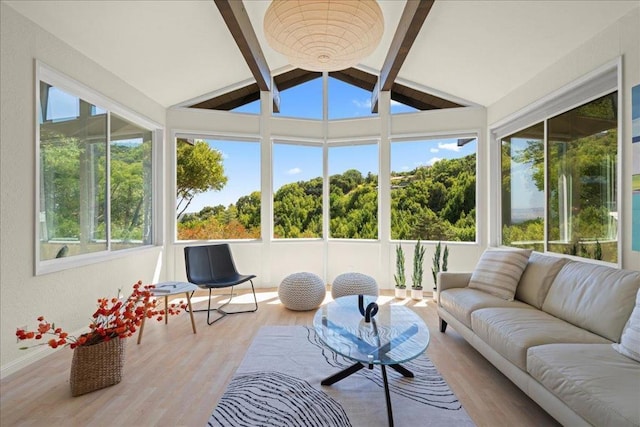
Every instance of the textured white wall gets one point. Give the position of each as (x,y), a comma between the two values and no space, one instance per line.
(67,297)
(619,39)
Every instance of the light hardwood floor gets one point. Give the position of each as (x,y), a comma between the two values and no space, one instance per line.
(175,378)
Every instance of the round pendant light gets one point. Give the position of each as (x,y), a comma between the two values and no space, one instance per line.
(324,35)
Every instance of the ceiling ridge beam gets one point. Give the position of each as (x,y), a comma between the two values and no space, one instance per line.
(413,16)
(235,16)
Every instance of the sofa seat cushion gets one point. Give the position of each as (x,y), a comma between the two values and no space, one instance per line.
(461,302)
(512,331)
(599,384)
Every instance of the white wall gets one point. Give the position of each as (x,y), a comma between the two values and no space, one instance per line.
(68,297)
(620,39)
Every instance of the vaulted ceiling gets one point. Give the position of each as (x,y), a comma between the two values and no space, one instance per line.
(468,52)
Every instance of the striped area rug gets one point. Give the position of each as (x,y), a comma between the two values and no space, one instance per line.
(278,384)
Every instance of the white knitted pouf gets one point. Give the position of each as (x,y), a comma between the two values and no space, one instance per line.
(302,291)
(354,284)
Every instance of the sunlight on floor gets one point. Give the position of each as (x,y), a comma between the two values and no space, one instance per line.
(271,298)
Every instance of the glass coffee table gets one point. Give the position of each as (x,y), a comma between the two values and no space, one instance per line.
(369,334)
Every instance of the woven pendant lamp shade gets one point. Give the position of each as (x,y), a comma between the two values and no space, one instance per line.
(324,35)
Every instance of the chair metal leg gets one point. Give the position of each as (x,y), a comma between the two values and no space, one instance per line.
(255,302)
(222,312)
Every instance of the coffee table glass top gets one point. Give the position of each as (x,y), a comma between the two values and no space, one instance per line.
(394,335)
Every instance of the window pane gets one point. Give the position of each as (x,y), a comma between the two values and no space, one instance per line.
(73,166)
(303,100)
(297,184)
(131,184)
(346,100)
(582,202)
(433,190)
(251,108)
(59,105)
(523,189)
(218,185)
(353,188)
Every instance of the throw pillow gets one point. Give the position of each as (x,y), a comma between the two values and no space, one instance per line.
(630,340)
(538,277)
(498,271)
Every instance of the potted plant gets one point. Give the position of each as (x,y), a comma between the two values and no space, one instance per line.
(418,259)
(98,355)
(401,287)
(438,266)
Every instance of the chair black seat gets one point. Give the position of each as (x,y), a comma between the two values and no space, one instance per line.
(212,267)
(226,282)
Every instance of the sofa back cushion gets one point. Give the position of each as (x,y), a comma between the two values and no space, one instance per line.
(538,277)
(594,297)
(498,271)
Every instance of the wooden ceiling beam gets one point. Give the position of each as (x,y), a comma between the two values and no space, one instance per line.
(414,14)
(239,24)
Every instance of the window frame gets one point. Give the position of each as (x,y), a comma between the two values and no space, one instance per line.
(175,134)
(475,134)
(300,142)
(54,78)
(336,143)
(602,81)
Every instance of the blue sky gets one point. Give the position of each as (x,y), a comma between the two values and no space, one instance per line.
(524,193)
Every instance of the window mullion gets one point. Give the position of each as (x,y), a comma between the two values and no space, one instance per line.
(107,198)
(545,202)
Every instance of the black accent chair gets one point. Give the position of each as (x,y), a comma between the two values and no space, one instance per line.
(212,267)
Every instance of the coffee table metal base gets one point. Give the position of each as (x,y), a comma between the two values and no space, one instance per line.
(357,366)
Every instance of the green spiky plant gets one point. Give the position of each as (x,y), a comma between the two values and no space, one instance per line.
(418,271)
(399,276)
(439,265)
(597,253)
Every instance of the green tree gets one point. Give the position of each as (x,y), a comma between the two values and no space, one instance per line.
(249,210)
(199,169)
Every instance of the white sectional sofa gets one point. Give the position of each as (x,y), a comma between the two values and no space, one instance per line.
(554,339)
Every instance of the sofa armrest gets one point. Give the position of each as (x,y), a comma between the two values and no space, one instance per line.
(448,280)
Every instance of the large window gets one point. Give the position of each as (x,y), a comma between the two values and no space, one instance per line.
(523,188)
(95,177)
(581,181)
(297,191)
(433,189)
(353,191)
(218,189)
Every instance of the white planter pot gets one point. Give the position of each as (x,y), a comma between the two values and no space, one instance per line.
(416,294)
(401,293)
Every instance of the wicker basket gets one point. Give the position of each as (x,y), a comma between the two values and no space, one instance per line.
(96,366)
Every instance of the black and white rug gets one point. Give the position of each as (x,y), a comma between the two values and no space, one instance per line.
(278,384)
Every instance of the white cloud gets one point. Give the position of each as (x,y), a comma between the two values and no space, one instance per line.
(452,146)
(362,104)
(434,150)
(294,171)
(433,161)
